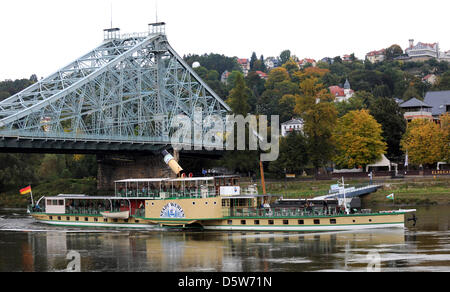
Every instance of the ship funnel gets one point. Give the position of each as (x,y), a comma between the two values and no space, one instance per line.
(171,162)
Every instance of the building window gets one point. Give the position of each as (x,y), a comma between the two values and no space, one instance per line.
(285,222)
(271,222)
(316,221)
(256,222)
(301,222)
(332,221)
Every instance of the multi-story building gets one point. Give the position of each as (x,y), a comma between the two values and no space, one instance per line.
(272,62)
(376,56)
(416,109)
(294,125)
(245,65)
(422,51)
(342,94)
(302,63)
(435,104)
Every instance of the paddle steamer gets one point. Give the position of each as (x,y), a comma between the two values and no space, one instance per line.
(209,203)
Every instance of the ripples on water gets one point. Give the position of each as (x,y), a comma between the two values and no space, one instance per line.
(26,245)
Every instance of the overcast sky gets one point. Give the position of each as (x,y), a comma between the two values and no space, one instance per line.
(41,36)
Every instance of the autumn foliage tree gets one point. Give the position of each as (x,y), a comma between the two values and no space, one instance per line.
(424,142)
(358,140)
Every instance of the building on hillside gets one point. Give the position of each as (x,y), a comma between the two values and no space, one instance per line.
(245,66)
(302,63)
(262,75)
(342,94)
(416,109)
(376,56)
(224,77)
(422,51)
(439,102)
(346,58)
(444,56)
(272,62)
(327,60)
(430,79)
(294,125)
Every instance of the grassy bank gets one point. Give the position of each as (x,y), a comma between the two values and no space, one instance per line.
(12,198)
(412,191)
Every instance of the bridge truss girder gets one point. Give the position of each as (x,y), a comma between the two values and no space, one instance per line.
(128,90)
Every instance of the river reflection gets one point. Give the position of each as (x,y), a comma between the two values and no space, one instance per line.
(28,246)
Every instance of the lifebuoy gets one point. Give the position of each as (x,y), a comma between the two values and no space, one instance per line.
(191,175)
(183,175)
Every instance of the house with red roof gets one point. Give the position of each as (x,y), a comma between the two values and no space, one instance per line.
(342,94)
(245,65)
(302,63)
(262,75)
(376,56)
(422,51)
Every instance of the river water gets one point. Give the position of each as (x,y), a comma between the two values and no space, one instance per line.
(29,246)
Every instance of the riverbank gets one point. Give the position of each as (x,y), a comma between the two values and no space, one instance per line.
(410,191)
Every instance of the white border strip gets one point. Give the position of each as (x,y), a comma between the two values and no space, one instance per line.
(304,228)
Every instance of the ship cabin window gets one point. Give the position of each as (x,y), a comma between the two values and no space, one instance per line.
(285,222)
(51,217)
(256,222)
(301,222)
(271,222)
(59,218)
(243,222)
(67,218)
(332,221)
(95,219)
(86,219)
(115,220)
(370,220)
(230,222)
(77,219)
(105,220)
(316,221)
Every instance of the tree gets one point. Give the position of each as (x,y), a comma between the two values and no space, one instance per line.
(411,92)
(387,112)
(358,140)
(293,155)
(314,105)
(253,59)
(393,52)
(444,81)
(424,142)
(285,56)
(445,126)
(239,95)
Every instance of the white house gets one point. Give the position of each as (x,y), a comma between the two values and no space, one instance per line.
(294,125)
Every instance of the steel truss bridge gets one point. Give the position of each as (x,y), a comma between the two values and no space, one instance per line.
(121,96)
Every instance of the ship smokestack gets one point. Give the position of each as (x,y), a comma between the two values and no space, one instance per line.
(171,162)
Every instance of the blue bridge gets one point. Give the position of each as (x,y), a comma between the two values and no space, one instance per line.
(122,96)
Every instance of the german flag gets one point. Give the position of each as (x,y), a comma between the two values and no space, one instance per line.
(25,191)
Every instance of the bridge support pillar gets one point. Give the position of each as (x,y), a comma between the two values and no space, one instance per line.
(114,167)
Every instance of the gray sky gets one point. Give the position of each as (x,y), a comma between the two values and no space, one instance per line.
(42,36)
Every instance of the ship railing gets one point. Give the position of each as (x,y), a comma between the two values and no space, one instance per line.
(280,212)
(167,194)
